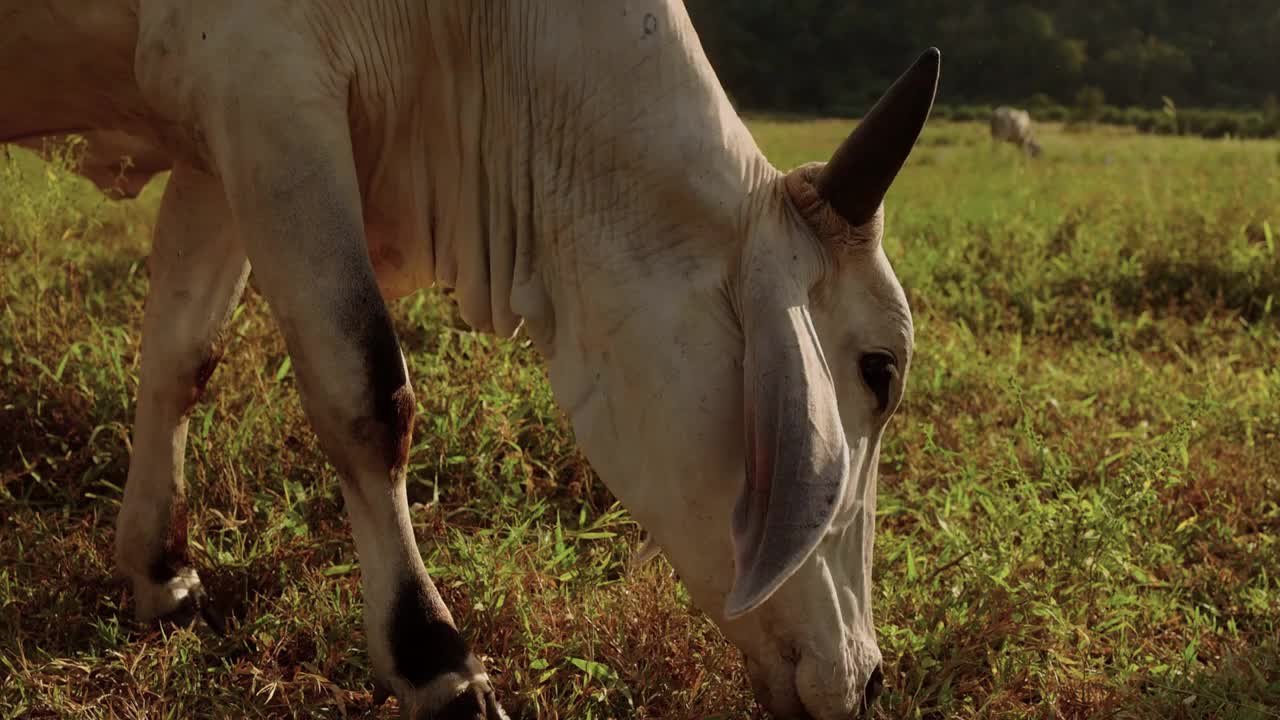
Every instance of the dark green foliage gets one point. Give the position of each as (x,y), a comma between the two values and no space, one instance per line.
(1090,105)
(1054,113)
(836,57)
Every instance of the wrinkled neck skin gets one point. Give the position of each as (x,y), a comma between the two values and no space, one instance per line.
(622,187)
(641,181)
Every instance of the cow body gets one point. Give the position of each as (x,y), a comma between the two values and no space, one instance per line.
(1014,126)
(571,167)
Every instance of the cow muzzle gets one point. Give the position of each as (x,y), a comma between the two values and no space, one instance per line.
(808,687)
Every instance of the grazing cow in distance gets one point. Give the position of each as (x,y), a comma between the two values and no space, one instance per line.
(728,340)
(1014,126)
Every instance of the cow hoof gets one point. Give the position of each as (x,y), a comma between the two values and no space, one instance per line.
(450,697)
(180,600)
(475,703)
(154,600)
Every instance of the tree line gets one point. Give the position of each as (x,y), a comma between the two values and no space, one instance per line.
(836,56)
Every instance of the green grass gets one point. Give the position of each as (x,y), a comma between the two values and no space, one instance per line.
(1079,503)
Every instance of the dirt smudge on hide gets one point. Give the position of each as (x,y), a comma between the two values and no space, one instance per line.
(388,431)
(200,380)
(173,556)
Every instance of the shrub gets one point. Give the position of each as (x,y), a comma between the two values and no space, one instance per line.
(1112,115)
(1054,113)
(1270,124)
(1089,104)
(1219,125)
(1209,123)
(1040,102)
(1164,124)
(1134,117)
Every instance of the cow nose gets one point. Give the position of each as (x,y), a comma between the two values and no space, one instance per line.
(875,685)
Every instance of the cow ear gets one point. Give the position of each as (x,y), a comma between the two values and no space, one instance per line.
(796,456)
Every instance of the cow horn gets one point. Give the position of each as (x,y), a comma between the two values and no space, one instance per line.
(860,172)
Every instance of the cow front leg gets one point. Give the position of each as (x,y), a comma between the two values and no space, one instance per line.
(198,271)
(357,396)
(291,181)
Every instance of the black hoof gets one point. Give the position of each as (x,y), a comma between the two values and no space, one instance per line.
(211,616)
(197,605)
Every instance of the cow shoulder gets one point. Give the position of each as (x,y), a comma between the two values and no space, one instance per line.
(204,66)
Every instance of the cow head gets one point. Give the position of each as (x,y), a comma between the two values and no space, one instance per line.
(737,410)
(828,339)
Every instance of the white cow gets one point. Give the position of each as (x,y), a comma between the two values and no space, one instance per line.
(1014,126)
(728,341)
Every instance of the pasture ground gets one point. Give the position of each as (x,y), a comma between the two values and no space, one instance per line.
(1079,500)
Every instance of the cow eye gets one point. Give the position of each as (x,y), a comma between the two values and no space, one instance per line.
(878,372)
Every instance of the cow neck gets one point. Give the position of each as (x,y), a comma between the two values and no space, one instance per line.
(593,144)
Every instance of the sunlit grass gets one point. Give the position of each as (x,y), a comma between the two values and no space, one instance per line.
(1079,502)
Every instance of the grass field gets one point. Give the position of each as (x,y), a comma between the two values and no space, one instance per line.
(1079,500)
